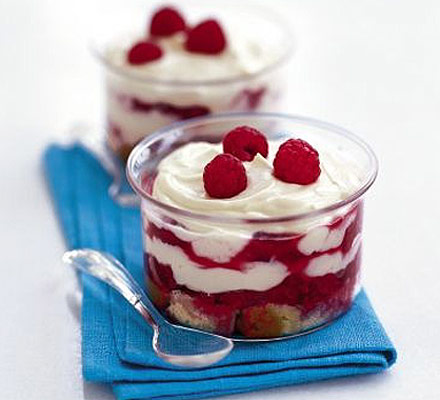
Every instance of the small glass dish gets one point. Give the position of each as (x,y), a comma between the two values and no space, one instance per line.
(222,273)
(137,106)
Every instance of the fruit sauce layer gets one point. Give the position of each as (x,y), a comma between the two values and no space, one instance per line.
(132,117)
(312,287)
(247,100)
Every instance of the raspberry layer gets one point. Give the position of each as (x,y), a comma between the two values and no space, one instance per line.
(131,118)
(320,282)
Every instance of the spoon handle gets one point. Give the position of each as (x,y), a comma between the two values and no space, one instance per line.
(108,269)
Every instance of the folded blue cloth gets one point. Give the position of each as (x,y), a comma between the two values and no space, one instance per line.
(116,343)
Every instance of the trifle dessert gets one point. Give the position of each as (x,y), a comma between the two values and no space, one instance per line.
(252,224)
(180,65)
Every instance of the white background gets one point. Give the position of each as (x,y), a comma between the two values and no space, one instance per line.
(372,66)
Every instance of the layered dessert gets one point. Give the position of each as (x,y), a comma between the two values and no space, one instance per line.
(178,68)
(257,249)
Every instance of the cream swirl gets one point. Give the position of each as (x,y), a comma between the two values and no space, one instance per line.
(179,183)
(243,56)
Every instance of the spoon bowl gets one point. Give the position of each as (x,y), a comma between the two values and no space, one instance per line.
(177,345)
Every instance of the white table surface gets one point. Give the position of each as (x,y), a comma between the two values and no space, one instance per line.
(372,66)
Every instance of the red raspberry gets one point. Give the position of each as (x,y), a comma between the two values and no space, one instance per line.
(297,162)
(224,177)
(166,22)
(206,38)
(144,52)
(244,142)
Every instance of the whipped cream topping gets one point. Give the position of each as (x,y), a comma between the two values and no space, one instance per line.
(244,55)
(179,183)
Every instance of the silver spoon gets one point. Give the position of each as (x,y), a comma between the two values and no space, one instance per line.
(177,345)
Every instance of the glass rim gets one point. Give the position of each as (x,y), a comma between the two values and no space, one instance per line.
(225,219)
(269,14)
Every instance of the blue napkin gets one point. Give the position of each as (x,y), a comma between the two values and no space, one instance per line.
(116,343)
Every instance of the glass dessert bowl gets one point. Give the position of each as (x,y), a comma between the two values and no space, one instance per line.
(255,244)
(187,63)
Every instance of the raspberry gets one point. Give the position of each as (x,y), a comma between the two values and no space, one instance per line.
(224,177)
(244,142)
(166,22)
(297,162)
(144,52)
(206,38)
